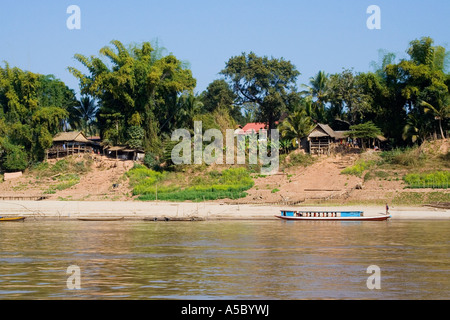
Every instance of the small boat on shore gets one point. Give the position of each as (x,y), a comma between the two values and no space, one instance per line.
(174,219)
(329,216)
(100,218)
(11,219)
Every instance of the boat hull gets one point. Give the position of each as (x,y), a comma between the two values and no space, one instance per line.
(100,219)
(374,218)
(12,219)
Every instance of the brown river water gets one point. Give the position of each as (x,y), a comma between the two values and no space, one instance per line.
(274,260)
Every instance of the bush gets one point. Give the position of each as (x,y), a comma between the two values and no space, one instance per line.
(405,157)
(435,180)
(300,159)
(152,161)
(149,185)
(358,168)
(66,181)
(15,159)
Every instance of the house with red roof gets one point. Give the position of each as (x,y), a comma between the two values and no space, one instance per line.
(255,127)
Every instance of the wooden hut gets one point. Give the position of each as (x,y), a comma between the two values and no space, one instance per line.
(69,143)
(124,153)
(322,138)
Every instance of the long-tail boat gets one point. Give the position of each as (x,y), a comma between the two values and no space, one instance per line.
(330,216)
(100,218)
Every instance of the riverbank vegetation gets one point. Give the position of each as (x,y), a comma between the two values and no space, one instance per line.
(421,167)
(148,184)
(137,95)
(58,176)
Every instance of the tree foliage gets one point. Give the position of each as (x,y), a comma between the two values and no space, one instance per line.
(267,82)
(140,81)
(33,108)
(136,95)
(296,126)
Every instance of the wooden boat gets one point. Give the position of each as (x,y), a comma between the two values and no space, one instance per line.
(8,219)
(174,219)
(100,218)
(329,216)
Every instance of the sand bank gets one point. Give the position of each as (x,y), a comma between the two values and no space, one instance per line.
(67,210)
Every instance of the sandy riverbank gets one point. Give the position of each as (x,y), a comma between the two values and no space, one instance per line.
(66,210)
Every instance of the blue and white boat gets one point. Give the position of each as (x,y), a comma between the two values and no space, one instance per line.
(329,216)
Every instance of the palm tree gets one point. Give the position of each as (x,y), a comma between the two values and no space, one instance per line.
(415,128)
(188,106)
(285,145)
(296,126)
(317,87)
(440,112)
(317,95)
(87,112)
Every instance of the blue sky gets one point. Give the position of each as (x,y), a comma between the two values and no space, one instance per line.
(314,35)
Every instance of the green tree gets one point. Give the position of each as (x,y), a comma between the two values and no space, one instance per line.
(32,110)
(12,157)
(416,128)
(135,137)
(219,94)
(266,82)
(441,111)
(139,80)
(410,82)
(367,130)
(87,115)
(316,93)
(54,93)
(317,87)
(296,126)
(345,93)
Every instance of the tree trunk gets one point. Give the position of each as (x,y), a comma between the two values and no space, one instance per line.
(440,127)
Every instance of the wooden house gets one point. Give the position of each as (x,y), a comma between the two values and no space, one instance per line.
(322,138)
(69,143)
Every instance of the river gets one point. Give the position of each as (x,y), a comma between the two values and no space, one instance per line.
(275,260)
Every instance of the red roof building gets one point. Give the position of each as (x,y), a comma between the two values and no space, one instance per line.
(256,127)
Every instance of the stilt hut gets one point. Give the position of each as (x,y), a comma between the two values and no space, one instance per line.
(320,139)
(323,139)
(69,143)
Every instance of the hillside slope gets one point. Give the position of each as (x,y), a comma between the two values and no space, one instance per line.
(99,178)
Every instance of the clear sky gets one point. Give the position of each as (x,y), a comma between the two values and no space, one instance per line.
(314,35)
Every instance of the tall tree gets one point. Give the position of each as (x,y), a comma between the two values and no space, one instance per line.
(441,111)
(296,126)
(344,91)
(139,80)
(219,94)
(265,82)
(420,78)
(317,91)
(87,114)
(32,110)
(317,87)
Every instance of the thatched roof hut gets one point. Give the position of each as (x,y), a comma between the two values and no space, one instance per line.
(69,143)
(73,136)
